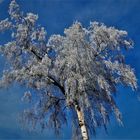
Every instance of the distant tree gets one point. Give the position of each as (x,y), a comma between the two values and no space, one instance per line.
(78,71)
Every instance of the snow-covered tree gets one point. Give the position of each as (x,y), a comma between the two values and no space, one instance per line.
(78,71)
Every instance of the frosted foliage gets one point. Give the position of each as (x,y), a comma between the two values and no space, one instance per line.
(82,67)
(27,96)
(39,35)
(5,24)
(22,32)
(14,10)
(31,18)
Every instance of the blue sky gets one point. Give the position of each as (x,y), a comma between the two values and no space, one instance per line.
(55,15)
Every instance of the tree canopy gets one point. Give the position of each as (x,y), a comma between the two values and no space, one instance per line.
(83,67)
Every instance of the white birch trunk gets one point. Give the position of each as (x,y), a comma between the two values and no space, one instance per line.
(82,125)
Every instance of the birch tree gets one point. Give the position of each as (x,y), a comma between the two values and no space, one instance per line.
(77,72)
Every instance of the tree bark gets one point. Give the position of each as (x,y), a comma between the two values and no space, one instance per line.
(82,125)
